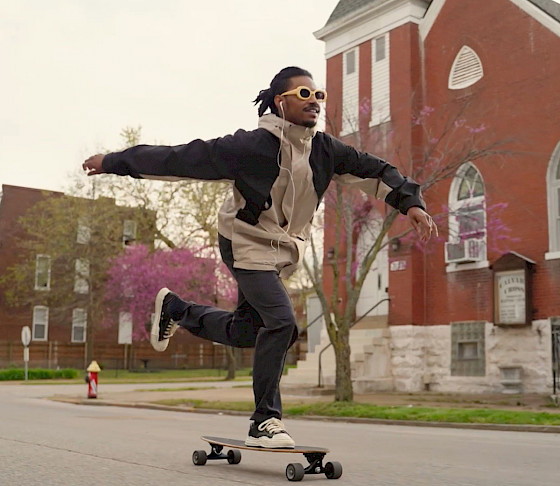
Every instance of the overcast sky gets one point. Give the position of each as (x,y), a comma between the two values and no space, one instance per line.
(76,72)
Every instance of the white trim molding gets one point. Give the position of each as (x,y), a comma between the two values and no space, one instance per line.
(553,201)
(430,18)
(461,267)
(525,5)
(540,16)
(369,22)
(40,318)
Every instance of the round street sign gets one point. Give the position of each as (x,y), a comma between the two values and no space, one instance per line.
(25,335)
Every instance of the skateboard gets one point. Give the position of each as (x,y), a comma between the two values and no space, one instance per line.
(294,471)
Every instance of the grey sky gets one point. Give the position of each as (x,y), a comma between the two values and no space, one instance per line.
(76,72)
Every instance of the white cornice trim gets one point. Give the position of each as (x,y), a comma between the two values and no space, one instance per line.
(550,23)
(368,23)
(525,5)
(429,19)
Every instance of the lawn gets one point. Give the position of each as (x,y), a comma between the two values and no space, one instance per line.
(123,376)
(405,413)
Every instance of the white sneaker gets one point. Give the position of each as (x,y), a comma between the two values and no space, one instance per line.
(162,325)
(270,434)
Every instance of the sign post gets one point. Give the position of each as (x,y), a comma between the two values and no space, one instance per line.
(125,334)
(26,339)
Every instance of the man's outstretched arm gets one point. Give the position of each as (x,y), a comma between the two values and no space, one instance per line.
(215,159)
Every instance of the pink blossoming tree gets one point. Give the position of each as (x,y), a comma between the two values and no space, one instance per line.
(136,276)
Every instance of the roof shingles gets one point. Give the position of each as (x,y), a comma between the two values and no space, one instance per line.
(346,7)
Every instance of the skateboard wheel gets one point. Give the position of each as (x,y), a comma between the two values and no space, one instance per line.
(333,470)
(234,456)
(295,472)
(199,458)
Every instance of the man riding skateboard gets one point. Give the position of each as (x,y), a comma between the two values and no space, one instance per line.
(279,174)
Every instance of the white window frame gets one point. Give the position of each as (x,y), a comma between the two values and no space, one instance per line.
(48,259)
(380,83)
(350,94)
(553,201)
(351,52)
(83,233)
(81,276)
(130,228)
(36,322)
(455,205)
(79,320)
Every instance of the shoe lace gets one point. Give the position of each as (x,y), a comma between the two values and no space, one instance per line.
(272,425)
(170,329)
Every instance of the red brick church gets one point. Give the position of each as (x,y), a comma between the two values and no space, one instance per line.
(479,309)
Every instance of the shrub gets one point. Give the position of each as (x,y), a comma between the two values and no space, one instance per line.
(12,374)
(67,373)
(38,374)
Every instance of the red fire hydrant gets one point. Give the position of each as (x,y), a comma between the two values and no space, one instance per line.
(92,370)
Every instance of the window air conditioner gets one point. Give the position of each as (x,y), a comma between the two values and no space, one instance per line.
(469,250)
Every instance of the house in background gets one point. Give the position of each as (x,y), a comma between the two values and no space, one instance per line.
(474,312)
(61,335)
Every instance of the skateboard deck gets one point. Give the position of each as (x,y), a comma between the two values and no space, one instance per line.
(294,471)
(240,444)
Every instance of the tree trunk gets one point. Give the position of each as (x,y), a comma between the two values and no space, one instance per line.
(343,383)
(231,362)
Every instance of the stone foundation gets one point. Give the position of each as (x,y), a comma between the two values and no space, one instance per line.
(418,358)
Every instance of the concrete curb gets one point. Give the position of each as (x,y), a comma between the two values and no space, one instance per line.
(547,429)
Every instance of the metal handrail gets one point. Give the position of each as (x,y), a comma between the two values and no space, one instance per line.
(313,322)
(319,385)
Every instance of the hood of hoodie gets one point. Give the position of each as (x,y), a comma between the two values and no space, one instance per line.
(285,130)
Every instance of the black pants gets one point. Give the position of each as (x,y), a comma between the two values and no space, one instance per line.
(264,319)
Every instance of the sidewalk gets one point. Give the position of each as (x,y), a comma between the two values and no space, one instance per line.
(152,395)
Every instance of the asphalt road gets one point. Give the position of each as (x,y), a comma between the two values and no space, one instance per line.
(50,443)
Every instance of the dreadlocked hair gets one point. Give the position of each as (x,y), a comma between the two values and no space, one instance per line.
(278,85)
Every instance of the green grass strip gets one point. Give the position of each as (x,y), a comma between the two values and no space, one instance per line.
(425,414)
(364,410)
(182,388)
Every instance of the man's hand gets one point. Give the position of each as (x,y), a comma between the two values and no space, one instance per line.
(93,165)
(422,222)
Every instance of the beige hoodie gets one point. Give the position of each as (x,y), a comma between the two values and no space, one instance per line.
(277,241)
